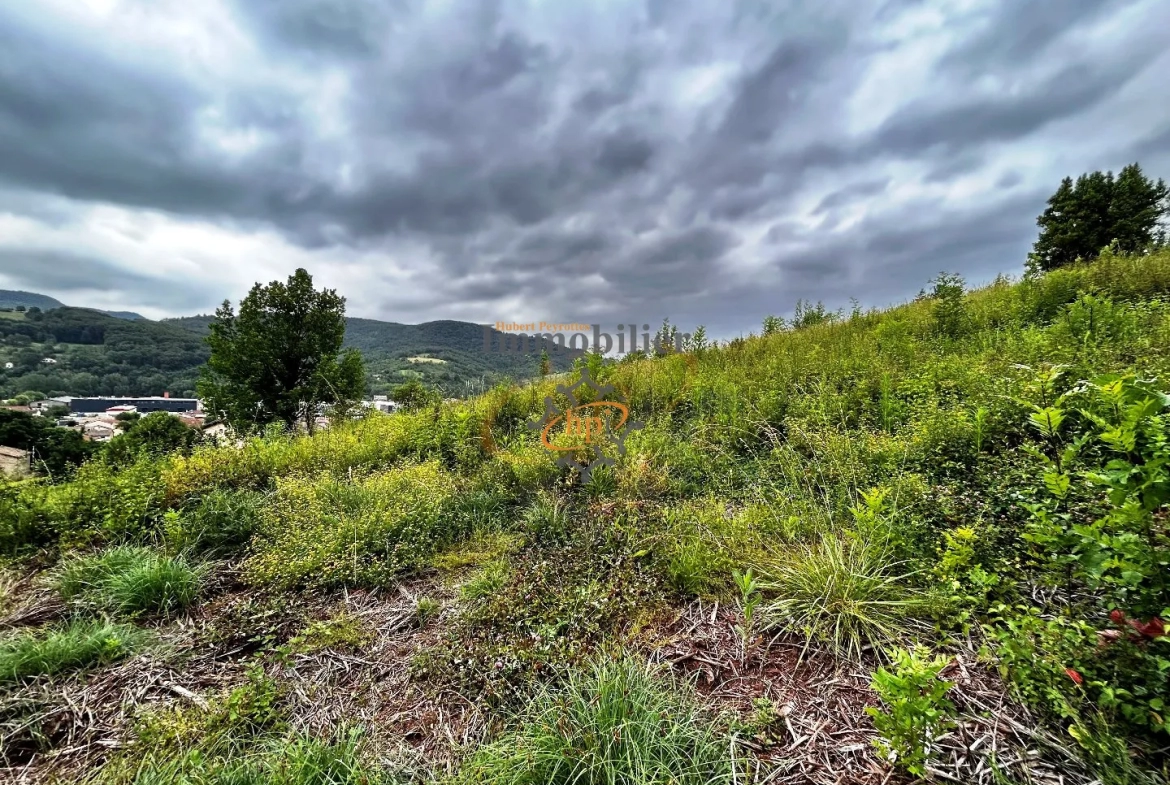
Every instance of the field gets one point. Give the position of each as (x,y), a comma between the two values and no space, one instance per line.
(929,542)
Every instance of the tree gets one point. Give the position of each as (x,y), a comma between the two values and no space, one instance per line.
(281,357)
(545,365)
(158,433)
(1136,209)
(54,450)
(1095,212)
(414,395)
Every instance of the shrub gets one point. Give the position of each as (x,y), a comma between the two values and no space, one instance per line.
(129,580)
(327,531)
(918,709)
(80,644)
(617,722)
(840,593)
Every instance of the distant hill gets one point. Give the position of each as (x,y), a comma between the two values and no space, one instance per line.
(11,298)
(80,351)
(448,354)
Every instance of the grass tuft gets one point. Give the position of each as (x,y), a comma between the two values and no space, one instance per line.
(81,644)
(841,594)
(130,581)
(619,722)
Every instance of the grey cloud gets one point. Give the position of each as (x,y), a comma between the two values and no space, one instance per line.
(628,153)
(46,271)
(852,193)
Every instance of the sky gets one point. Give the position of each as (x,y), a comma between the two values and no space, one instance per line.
(589,161)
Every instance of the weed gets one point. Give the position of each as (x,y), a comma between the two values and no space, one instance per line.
(342,632)
(917,708)
(129,581)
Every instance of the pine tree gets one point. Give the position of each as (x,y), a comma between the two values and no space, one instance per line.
(1098,211)
(545,365)
(1138,204)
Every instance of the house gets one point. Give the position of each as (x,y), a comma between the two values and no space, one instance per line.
(215,430)
(97,431)
(49,403)
(14,462)
(49,361)
(8,366)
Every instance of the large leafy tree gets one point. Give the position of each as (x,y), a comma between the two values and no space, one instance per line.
(280,358)
(1098,210)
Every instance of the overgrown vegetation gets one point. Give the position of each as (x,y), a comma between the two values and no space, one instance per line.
(979,472)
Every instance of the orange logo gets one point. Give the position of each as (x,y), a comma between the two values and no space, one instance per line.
(597,427)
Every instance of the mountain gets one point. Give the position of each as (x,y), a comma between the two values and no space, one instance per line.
(80,351)
(11,298)
(63,350)
(447,354)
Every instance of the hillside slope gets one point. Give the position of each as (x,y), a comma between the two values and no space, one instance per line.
(97,354)
(10,298)
(926,541)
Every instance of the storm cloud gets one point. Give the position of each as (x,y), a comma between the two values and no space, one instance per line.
(710,162)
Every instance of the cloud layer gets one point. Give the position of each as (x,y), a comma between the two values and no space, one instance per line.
(710,162)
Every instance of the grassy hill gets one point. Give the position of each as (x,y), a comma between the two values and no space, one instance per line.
(928,540)
(446,354)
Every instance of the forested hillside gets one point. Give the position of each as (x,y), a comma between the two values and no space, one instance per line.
(446,354)
(926,542)
(78,351)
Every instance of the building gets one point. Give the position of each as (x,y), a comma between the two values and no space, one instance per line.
(14,462)
(145,405)
(49,403)
(97,431)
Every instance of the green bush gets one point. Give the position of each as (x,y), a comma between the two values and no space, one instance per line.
(843,594)
(129,580)
(617,722)
(219,521)
(80,644)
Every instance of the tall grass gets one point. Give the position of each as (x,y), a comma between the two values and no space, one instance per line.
(80,644)
(618,723)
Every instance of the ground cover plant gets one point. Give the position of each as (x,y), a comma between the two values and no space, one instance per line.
(953,512)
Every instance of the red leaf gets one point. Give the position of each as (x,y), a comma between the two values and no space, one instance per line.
(1076,677)
(1117,617)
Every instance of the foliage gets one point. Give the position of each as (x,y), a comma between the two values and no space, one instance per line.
(414,395)
(56,451)
(328,531)
(950,310)
(79,644)
(281,356)
(156,434)
(1097,211)
(616,722)
(917,708)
